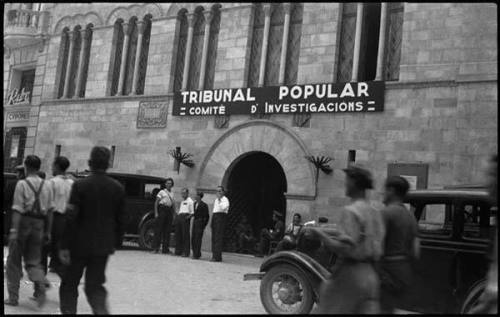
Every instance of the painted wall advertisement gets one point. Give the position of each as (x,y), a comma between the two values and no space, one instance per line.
(311,98)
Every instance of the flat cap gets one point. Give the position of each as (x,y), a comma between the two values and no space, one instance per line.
(362,177)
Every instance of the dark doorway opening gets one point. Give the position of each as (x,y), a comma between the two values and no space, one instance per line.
(256,185)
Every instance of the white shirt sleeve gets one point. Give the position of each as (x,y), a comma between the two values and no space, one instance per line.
(191,206)
(224,204)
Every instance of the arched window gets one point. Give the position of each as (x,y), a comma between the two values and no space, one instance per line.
(130,63)
(62,62)
(116,56)
(85,61)
(181,49)
(143,64)
(73,68)
(212,47)
(196,49)
(256,49)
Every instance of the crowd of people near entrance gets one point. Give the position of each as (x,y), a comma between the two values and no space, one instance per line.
(81,223)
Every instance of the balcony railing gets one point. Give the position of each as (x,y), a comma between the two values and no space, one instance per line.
(25,27)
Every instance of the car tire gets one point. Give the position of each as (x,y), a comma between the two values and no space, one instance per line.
(472,297)
(146,234)
(266,289)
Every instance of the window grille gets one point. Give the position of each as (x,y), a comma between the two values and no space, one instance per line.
(118,47)
(62,62)
(196,50)
(346,45)
(132,48)
(143,61)
(77,47)
(181,51)
(85,70)
(394,40)
(256,48)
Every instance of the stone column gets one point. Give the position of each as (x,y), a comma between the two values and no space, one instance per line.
(357,42)
(263,55)
(286,27)
(121,80)
(381,42)
(84,34)
(185,74)
(71,36)
(135,80)
(204,53)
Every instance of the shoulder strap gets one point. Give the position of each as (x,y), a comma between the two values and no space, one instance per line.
(36,204)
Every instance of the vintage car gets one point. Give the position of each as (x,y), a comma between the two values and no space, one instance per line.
(455,228)
(139,205)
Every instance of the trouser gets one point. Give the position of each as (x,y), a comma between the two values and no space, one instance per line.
(395,280)
(246,242)
(163,228)
(218,227)
(28,246)
(53,248)
(95,267)
(182,243)
(197,235)
(354,289)
(265,240)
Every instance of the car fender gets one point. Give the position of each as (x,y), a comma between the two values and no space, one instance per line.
(303,262)
(146,217)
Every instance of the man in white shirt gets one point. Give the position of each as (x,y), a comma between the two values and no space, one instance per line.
(219,213)
(183,224)
(31,226)
(164,209)
(61,188)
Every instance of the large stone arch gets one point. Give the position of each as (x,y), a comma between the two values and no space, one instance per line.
(78,19)
(265,136)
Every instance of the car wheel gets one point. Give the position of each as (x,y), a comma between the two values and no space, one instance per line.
(146,234)
(472,299)
(285,289)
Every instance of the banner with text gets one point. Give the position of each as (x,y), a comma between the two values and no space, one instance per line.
(310,98)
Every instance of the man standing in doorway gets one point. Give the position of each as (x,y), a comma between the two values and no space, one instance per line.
(200,221)
(31,225)
(94,229)
(219,214)
(164,213)
(183,224)
(401,245)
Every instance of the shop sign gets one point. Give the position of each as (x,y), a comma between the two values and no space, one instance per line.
(17,97)
(17,116)
(311,98)
(152,114)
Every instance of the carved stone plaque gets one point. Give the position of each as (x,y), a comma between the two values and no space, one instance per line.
(152,114)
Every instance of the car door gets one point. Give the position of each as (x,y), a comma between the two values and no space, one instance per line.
(432,289)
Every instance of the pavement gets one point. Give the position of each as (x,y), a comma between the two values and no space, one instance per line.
(139,282)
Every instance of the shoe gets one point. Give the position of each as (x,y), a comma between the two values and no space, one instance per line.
(11,302)
(195,257)
(259,255)
(215,260)
(166,252)
(185,256)
(155,251)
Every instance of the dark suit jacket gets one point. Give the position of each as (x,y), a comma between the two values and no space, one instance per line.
(95,216)
(201,211)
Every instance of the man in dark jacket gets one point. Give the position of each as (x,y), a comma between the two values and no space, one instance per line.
(200,222)
(94,228)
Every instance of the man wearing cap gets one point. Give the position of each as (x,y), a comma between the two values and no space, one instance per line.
(358,241)
(31,220)
(276,234)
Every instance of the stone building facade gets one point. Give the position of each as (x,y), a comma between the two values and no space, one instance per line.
(440,109)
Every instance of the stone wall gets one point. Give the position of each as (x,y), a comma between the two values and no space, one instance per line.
(442,111)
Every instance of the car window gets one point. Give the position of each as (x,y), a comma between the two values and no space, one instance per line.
(435,219)
(478,219)
(150,190)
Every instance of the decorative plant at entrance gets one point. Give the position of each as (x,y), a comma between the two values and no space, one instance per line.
(320,163)
(181,158)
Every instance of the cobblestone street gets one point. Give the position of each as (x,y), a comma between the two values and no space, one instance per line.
(139,282)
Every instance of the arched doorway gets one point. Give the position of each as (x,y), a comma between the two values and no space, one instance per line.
(256,184)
